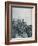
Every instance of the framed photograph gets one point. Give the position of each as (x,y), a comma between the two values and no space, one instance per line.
(20,22)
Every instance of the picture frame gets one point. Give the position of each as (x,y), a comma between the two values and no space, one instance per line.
(19,9)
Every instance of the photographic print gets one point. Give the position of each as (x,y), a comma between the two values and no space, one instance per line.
(20,22)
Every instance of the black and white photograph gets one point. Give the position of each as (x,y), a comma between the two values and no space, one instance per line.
(21,22)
